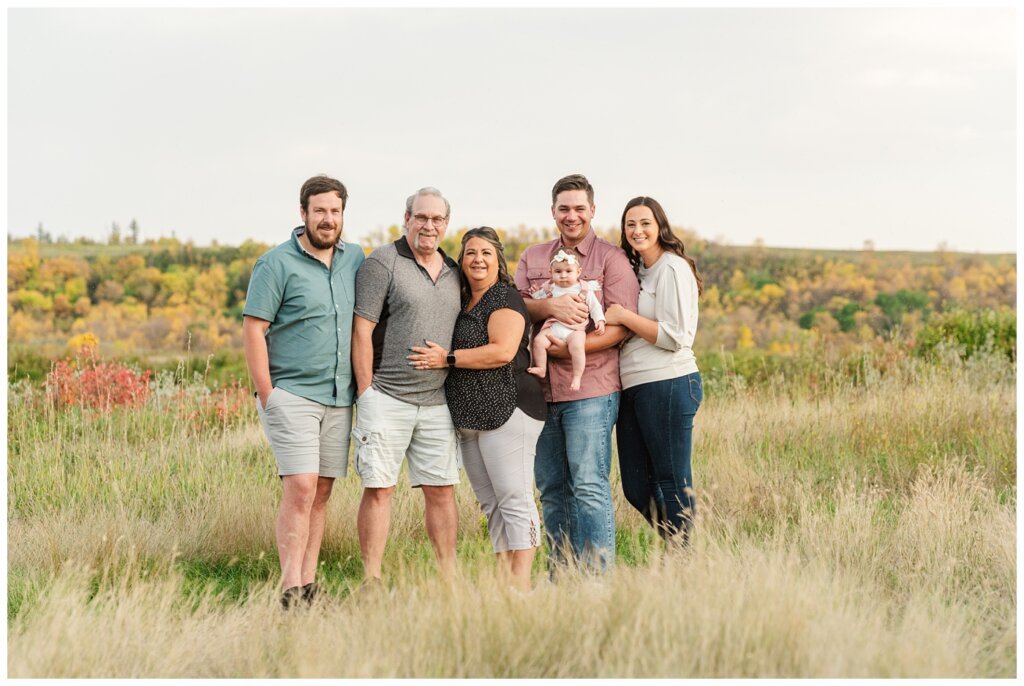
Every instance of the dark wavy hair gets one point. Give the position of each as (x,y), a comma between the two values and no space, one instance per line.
(668,240)
(491,236)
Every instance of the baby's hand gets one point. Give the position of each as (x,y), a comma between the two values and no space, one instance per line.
(612,314)
(599,328)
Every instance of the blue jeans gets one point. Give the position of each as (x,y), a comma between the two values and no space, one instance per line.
(574,459)
(654,437)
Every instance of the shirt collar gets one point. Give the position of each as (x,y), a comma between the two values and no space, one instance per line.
(405,250)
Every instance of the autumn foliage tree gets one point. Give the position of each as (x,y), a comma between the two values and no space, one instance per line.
(164,298)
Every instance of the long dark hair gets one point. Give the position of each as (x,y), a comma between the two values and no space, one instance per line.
(491,236)
(668,240)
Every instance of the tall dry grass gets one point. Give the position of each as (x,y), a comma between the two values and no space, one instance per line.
(863,531)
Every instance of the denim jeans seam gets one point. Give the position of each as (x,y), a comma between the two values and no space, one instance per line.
(613,402)
(676,490)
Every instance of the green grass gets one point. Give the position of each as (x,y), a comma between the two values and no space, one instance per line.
(865,530)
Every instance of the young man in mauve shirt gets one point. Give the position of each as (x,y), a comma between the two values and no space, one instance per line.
(574,450)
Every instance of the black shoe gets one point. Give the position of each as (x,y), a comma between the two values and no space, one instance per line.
(291,596)
(309,592)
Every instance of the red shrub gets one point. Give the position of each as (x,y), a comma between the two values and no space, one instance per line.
(88,382)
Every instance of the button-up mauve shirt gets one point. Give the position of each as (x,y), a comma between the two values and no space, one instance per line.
(602,262)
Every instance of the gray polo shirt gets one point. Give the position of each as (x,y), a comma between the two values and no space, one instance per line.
(309,308)
(393,290)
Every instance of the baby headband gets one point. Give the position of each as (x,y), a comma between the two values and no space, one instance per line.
(562,256)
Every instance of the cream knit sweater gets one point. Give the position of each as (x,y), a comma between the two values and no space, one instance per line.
(668,295)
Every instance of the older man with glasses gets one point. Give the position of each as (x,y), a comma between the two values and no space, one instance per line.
(407,292)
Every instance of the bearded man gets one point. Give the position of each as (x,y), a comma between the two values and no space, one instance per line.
(297,331)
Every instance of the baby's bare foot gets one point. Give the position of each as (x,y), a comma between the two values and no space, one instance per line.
(575,385)
(540,372)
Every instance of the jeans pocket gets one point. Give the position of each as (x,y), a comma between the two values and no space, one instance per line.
(696,389)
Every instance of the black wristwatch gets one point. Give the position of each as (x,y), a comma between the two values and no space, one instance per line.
(451,359)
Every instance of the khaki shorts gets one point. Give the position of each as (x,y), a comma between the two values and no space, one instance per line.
(306,437)
(388,430)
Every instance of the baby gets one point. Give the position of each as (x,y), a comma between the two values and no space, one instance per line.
(565,278)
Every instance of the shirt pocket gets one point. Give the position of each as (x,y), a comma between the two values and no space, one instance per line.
(538,275)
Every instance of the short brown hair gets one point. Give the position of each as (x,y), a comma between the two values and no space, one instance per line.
(322,184)
(573,182)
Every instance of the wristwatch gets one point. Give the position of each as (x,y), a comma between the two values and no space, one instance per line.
(451,359)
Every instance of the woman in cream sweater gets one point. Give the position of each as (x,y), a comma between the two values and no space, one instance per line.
(661,387)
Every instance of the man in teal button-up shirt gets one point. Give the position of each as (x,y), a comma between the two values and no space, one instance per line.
(297,329)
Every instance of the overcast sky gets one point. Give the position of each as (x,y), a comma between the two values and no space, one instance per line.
(802,127)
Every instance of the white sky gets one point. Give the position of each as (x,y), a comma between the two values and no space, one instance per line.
(804,127)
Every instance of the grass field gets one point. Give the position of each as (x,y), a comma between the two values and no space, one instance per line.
(854,531)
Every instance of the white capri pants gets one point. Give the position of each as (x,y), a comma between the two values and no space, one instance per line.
(499,464)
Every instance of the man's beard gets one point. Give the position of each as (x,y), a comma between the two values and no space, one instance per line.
(314,237)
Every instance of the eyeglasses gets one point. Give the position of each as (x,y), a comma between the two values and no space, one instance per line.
(422,219)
